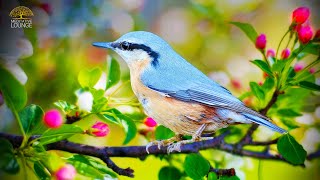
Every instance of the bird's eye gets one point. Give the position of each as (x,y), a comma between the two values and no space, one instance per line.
(125,45)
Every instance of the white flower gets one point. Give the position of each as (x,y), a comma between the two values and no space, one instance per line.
(306,118)
(311,140)
(85,100)
(102,82)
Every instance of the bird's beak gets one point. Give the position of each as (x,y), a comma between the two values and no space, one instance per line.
(107,45)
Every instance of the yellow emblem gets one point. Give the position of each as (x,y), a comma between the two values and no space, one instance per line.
(21,12)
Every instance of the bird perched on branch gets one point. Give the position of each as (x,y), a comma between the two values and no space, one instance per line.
(176,94)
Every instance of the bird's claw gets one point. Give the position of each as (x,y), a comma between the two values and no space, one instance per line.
(158,143)
(174,147)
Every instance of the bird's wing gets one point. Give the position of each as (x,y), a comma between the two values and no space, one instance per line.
(194,86)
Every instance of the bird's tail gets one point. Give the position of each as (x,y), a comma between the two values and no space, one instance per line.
(264,122)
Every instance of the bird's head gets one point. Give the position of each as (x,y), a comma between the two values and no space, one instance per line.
(137,46)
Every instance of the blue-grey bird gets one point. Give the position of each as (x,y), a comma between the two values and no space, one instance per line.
(176,94)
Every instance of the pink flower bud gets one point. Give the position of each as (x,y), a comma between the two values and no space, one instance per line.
(67,172)
(99,129)
(150,122)
(271,53)
(298,67)
(300,15)
(285,53)
(312,70)
(317,35)
(236,84)
(53,119)
(261,41)
(305,34)
(265,75)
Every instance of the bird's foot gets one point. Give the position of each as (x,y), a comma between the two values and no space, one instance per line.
(161,143)
(177,146)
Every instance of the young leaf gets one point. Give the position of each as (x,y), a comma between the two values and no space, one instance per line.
(169,173)
(163,133)
(309,85)
(288,112)
(257,91)
(31,117)
(196,166)
(291,150)
(89,77)
(63,132)
(279,65)
(263,66)
(64,106)
(229,178)
(115,116)
(8,163)
(129,127)
(247,29)
(12,90)
(41,171)
(212,176)
(312,49)
(84,167)
(113,72)
(268,84)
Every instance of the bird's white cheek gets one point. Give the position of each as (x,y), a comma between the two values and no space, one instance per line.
(135,55)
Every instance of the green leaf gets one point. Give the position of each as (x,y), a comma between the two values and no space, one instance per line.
(291,150)
(212,176)
(99,100)
(268,84)
(288,112)
(101,166)
(247,29)
(129,127)
(31,117)
(63,132)
(115,116)
(263,66)
(309,85)
(169,173)
(84,167)
(279,65)
(65,106)
(163,133)
(89,77)
(229,178)
(257,91)
(8,163)
(289,122)
(113,72)
(12,90)
(41,172)
(196,166)
(312,49)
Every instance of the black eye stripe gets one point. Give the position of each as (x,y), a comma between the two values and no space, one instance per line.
(127,46)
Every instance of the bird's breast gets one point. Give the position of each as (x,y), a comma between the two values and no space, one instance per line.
(179,116)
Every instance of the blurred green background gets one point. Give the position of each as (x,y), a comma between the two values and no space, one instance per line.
(199,30)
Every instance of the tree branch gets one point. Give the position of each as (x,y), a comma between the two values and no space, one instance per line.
(105,153)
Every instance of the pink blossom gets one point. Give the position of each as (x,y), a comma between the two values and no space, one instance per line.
(150,122)
(99,129)
(300,15)
(67,172)
(305,34)
(270,53)
(312,70)
(261,41)
(298,67)
(53,118)
(285,53)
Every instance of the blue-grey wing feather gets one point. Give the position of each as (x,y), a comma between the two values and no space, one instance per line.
(183,81)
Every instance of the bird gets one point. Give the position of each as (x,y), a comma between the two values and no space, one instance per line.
(176,94)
